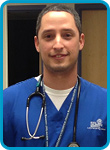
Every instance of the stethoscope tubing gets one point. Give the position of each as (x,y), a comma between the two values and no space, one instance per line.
(37,93)
(27,122)
(32,136)
(76,110)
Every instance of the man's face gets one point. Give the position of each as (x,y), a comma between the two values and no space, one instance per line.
(59,41)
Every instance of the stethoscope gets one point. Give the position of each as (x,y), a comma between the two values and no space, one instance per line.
(38,93)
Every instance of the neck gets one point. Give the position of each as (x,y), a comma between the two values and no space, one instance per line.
(60,81)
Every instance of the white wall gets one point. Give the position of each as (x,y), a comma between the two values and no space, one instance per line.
(5,49)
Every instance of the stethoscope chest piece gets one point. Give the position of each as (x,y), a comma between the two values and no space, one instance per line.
(73,144)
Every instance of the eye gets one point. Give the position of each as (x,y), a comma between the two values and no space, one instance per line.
(48,36)
(67,35)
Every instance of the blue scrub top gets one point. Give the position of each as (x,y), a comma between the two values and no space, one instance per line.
(91,122)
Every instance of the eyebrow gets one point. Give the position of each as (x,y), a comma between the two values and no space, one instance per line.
(46,31)
(69,30)
(51,30)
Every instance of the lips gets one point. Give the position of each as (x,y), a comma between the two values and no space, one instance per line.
(59,56)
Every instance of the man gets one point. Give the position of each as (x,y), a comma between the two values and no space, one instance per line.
(75,110)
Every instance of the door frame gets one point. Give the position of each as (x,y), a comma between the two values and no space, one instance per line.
(79,8)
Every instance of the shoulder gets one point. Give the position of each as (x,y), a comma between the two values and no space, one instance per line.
(20,85)
(91,86)
(19,89)
(92,90)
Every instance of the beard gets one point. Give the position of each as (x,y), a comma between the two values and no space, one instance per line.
(61,69)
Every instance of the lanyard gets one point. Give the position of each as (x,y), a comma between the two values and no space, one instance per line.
(66,118)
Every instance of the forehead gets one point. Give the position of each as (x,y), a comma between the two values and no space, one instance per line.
(57,18)
(57,14)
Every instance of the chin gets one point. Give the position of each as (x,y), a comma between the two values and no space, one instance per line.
(60,69)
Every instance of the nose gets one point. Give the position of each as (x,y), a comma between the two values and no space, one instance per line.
(58,44)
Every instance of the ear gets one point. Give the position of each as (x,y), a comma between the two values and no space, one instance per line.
(81,41)
(36,42)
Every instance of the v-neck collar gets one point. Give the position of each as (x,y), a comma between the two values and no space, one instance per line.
(51,107)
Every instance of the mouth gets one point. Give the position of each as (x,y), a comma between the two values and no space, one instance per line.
(59,56)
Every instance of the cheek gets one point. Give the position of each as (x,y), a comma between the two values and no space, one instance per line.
(43,49)
(74,49)
(73,46)
(44,46)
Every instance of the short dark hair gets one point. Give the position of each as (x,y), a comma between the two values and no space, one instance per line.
(59,7)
